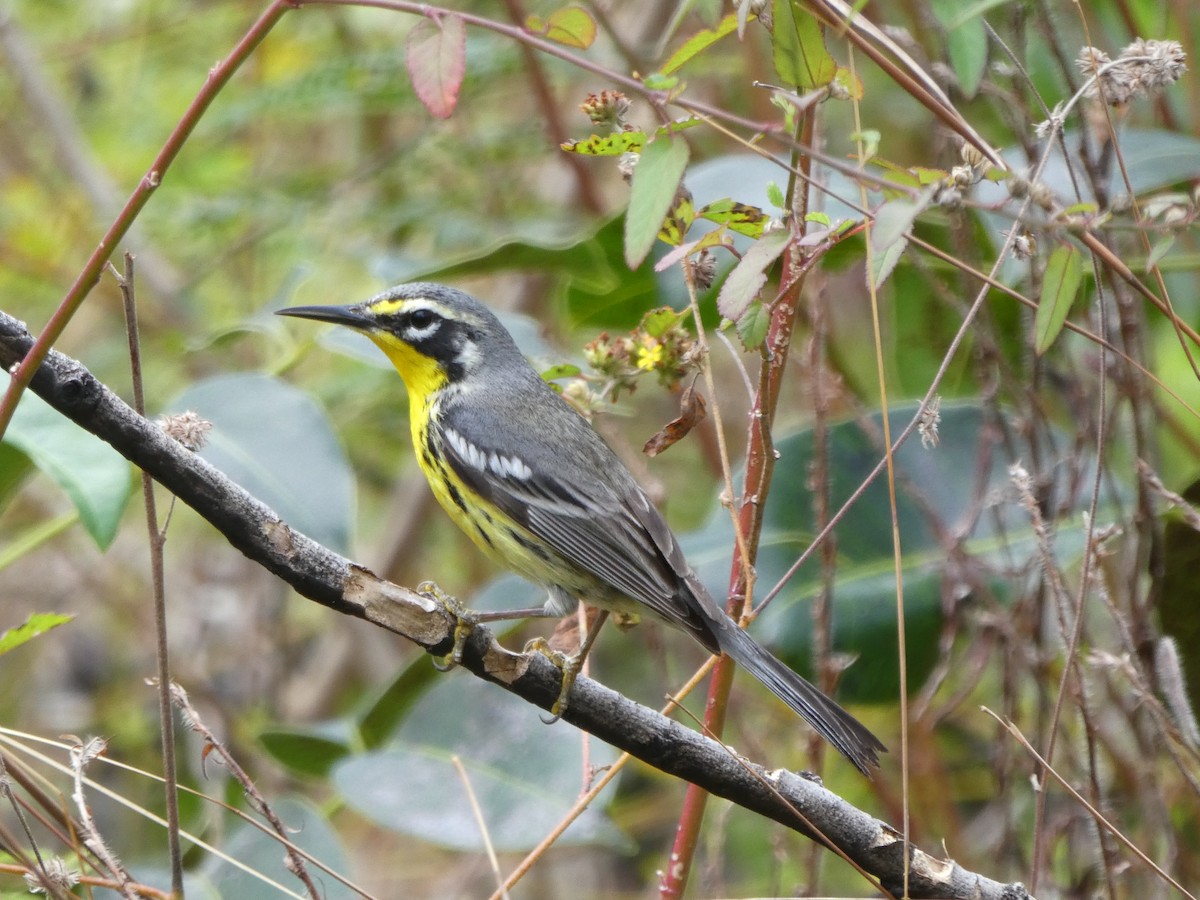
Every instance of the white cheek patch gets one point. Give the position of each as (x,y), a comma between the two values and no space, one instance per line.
(498,465)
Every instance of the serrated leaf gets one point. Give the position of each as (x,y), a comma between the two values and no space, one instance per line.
(798,45)
(1060,284)
(884,262)
(96,478)
(570,26)
(895,217)
(36,624)
(436,59)
(715,238)
(699,42)
(607,144)
(652,194)
(739,217)
(752,326)
(747,278)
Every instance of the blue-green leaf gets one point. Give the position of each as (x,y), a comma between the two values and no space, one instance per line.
(274,441)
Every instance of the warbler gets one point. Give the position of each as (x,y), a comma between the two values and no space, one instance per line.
(538,490)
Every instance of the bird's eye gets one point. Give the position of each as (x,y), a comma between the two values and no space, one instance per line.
(420,319)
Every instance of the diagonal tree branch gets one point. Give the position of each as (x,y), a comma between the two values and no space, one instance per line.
(325,577)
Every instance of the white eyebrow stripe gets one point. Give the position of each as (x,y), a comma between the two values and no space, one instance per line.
(501,466)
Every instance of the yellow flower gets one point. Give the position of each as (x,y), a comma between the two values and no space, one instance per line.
(649,356)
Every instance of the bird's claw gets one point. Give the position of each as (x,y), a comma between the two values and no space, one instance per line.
(464,623)
(568,665)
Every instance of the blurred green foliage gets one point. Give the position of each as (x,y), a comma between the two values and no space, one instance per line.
(318,177)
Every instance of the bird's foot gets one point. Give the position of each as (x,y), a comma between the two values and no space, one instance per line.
(464,623)
(569,665)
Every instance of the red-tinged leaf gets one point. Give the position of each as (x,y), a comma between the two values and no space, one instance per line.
(570,26)
(607,144)
(698,42)
(437,62)
(652,194)
(1060,284)
(747,278)
(799,48)
(715,238)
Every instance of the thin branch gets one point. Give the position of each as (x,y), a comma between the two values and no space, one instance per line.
(333,581)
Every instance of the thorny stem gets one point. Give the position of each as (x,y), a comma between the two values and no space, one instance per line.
(760,463)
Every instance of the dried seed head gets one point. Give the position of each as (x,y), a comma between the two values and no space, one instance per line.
(1143,69)
(187,428)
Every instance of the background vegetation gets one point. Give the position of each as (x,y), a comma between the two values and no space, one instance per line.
(1061,596)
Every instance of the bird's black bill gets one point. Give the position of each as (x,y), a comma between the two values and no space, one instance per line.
(350,316)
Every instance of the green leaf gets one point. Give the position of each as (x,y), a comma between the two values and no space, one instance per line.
(275,442)
(753,325)
(413,787)
(747,278)
(570,26)
(798,44)
(15,468)
(967,48)
(652,194)
(1060,284)
(775,195)
(698,42)
(884,262)
(1161,247)
(658,321)
(562,370)
(95,477)
(437,61)
(304,752)
(36,624)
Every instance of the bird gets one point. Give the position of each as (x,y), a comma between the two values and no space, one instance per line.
(540,492)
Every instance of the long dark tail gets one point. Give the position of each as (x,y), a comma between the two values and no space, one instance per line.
(832,722)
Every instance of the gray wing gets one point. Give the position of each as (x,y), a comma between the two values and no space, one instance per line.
(583,503)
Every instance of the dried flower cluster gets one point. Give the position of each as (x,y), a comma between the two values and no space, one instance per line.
(608,108)
(1143,68)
